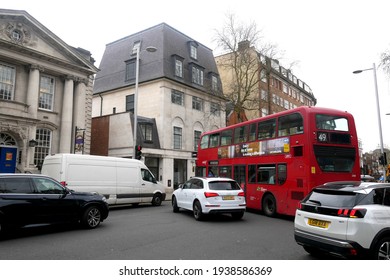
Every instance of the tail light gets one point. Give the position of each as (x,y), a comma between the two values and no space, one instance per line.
(241,194)
(210,194)
(63,183)
(352,213)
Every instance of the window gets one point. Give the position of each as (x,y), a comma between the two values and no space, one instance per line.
(147,176)
(204,143)
(241,134)
(263,76)
(46,93)
(270,174)
(197,134)
(47,186)
(130,103)
(266,129)
(264,95)
(328,122)
(214,83)
(136,46)
(193,51)
(43,137)
(177,137)
(147,131)
(252,132)
(130,70)
(214,109)
(15,185)
(178,68)
(197,103)
(226,137)
(290,124)
(197,75)
(214,140)
(7,82)
(177,97)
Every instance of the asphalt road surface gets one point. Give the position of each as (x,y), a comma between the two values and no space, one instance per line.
(147,232)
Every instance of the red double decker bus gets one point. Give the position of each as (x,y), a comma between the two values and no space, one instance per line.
(279,158)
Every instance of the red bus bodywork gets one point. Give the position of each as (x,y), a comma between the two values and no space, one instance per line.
(309,146)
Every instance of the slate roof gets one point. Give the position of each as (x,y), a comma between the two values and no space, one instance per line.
(169,43)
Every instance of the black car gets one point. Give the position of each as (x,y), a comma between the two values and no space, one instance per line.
(27,199)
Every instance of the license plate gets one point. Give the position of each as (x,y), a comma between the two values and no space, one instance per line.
(228,197)
(318,223)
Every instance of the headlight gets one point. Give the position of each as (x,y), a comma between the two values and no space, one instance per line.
(104,199)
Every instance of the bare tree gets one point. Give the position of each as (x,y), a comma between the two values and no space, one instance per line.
(385,62)
(242,45)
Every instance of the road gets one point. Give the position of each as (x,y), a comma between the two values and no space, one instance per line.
(146,232)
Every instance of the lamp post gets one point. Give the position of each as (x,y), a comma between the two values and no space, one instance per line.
(137,50)
(377,104)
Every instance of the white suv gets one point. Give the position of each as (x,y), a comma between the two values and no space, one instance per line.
(348,219)
(210,196)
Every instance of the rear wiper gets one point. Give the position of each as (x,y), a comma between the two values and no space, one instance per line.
(315,202)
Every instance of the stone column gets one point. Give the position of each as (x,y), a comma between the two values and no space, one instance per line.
(33,91)
(79,105)
(32,102)
(66,118)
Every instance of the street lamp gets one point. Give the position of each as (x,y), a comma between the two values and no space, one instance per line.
(377,103)
(136,49)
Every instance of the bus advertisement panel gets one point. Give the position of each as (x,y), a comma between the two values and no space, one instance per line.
(279,158)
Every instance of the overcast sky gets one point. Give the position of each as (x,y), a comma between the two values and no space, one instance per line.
(329,40)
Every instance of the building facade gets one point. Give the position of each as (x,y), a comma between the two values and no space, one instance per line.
(179,97)
(45,94)
(271,87)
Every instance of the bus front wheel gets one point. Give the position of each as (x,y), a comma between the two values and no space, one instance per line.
(269,205)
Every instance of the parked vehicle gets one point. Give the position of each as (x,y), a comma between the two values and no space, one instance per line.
(348,219)
(210,196)
(120,180)
(27,199)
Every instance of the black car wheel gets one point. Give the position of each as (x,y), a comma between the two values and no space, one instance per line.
(174,205)
(382,249)
(197,210)
(269,205)
(157,199)
(91,217)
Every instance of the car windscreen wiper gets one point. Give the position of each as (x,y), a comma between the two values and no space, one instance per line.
(315,202)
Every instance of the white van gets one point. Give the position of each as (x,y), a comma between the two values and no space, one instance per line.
(120,180)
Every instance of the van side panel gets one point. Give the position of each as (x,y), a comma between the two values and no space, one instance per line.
(128,184)
(92,176)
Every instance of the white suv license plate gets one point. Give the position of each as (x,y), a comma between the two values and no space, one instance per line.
(318,223)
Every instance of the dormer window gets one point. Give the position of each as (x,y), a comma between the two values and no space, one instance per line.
(137,45)
(178,61)
(194,51)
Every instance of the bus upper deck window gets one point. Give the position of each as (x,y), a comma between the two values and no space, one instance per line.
(204,143)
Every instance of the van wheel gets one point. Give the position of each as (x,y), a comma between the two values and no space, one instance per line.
(269,205)
(91,217)
(157,199)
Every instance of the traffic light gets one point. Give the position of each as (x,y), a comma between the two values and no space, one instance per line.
(138,152)
(383,159)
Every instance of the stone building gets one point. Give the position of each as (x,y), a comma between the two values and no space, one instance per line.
(179,97)
(45,94)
